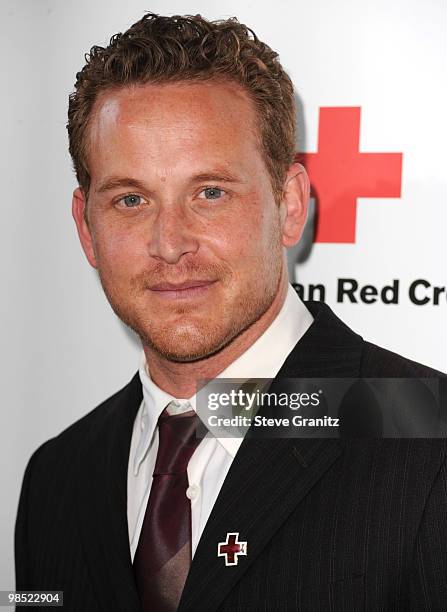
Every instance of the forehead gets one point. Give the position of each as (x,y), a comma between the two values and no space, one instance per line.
(194,114)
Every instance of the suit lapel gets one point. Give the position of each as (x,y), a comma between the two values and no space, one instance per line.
(102,501)
(269,477)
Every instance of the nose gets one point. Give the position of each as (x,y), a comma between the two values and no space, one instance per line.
(172,234)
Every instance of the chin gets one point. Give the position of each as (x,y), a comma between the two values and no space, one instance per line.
(187,344)
(184,353)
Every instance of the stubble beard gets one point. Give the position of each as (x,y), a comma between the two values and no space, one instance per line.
(185,343)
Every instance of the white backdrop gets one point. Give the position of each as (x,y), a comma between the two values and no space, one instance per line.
(63,349)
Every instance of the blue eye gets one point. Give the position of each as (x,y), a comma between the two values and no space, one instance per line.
(212,193)
(131,200)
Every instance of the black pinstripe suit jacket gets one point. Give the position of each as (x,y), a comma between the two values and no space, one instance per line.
(331,524)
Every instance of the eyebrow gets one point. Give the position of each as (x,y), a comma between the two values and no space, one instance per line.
(219,176)
(115,182)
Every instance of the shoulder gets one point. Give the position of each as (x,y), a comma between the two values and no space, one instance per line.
(380,362)
(332,337)
(66,444)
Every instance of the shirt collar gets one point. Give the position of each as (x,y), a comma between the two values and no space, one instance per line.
(154,402)
(263,359)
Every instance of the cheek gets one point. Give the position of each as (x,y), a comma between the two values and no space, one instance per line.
(232,244)
(256,233)
(117,249)
(249,245)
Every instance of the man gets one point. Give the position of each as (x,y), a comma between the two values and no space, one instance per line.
(182,137)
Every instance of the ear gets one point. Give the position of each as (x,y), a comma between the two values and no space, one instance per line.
(78,209)
(294,203)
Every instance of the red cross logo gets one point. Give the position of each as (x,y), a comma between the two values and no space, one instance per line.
(231,549)
(340,174)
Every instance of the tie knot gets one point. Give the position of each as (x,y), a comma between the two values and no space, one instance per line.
(177,441)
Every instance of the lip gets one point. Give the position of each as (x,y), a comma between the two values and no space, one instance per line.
(186,289)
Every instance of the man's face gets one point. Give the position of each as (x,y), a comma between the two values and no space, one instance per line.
(183,226)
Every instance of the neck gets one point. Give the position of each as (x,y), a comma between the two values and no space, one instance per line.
(180,379)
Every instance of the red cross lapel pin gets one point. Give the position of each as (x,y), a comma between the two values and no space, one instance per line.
(231,549)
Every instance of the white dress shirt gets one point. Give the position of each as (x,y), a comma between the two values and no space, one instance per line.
(212,458)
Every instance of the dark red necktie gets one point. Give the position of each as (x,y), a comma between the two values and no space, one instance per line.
(163,554)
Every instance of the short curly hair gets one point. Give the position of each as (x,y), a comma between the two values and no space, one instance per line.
(158,49)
